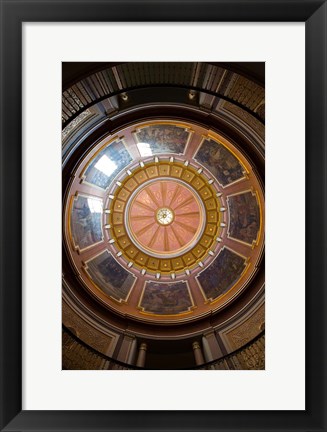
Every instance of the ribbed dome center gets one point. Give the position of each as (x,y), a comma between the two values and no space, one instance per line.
(165,217)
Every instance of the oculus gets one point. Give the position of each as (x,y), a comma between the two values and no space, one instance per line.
(165,216)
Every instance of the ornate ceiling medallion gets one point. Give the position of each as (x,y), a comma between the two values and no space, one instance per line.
(164,217)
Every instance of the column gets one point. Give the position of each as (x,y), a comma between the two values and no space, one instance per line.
(125,348)
(211,347)
(142,355)
(198,356)
(206,350)
(132,352)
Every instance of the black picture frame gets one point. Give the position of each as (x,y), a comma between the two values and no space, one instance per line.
(13,14)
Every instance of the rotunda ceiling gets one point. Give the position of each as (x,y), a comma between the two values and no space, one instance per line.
(164,221)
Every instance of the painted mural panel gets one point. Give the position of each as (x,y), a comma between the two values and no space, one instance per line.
(161,138)
(220,162)
(222,274)
(107,164)
(86,221)
(244,216)
(166,298)
(110,276)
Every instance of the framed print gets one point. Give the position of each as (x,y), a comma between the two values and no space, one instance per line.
(180,212)
(163,248)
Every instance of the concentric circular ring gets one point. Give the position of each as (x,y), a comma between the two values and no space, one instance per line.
(207,269)
(186,241)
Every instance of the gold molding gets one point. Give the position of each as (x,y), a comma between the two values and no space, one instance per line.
(128,248)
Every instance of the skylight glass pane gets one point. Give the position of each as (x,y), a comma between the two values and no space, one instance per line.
(95,206)
(144,149)
(105,165)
